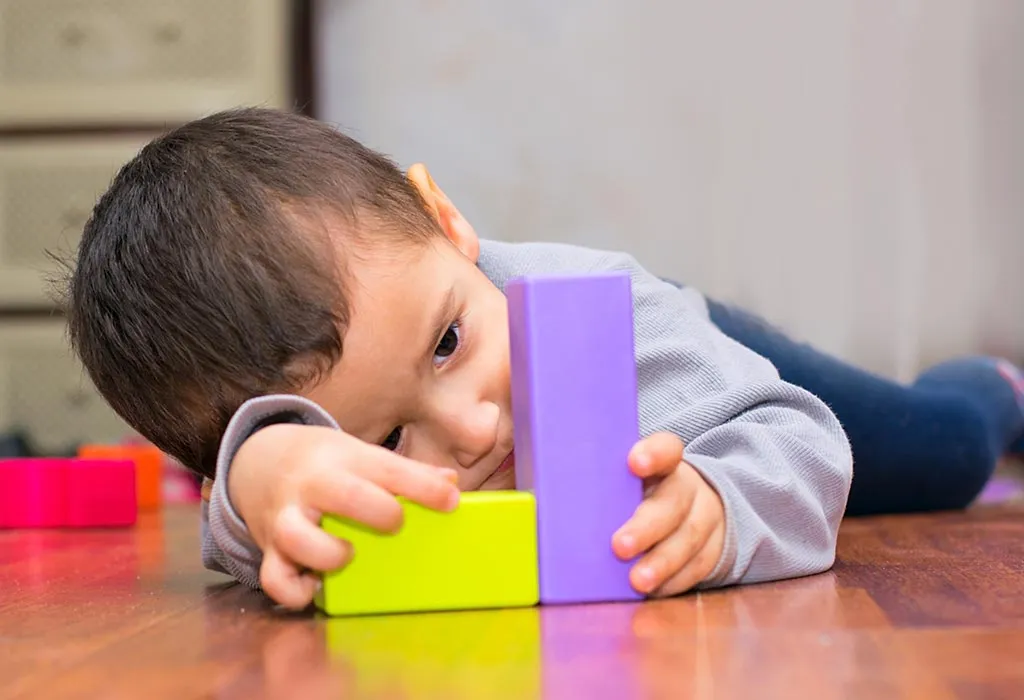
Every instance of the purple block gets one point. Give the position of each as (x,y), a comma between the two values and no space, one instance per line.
(574,402)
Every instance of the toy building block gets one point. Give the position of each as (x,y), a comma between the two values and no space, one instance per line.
(100,493)
(149,462)
(57,493)
(32,493)
(482,555)
(574,404)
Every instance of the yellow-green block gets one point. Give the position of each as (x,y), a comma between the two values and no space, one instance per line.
(482,555)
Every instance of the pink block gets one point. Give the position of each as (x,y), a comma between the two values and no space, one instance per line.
(50,492)
(101,493)
(33,493)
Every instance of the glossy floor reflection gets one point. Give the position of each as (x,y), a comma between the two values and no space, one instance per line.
(916,607)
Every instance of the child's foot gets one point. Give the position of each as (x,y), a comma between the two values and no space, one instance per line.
(997,387)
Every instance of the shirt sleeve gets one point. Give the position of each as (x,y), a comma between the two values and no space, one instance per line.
(775,453)
(227,546)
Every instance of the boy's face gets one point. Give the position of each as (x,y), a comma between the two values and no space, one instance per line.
(425,366)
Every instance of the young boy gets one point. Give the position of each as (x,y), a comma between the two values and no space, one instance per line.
(286,313)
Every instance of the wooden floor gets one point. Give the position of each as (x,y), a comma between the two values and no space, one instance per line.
(917,607)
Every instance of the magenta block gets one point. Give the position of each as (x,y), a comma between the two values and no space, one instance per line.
(73,493)
(574,403)
(101,493)
(32,493)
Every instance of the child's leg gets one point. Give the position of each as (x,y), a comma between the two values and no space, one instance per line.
(929,446)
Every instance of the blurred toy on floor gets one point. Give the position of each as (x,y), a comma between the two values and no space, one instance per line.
(179,485)
(14,445)
(163,479)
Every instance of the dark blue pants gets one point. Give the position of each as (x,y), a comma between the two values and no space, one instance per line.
(915,448)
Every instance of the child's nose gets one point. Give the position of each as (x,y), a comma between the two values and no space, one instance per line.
(473,432)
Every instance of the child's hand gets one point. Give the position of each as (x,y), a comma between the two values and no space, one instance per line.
(680,525)
(286,476)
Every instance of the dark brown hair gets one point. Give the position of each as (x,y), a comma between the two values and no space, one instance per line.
(205,275)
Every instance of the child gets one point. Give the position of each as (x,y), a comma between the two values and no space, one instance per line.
(286,313)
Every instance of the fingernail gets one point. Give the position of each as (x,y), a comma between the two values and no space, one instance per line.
(642,460)
(646,576)
(453,500)
(627,542)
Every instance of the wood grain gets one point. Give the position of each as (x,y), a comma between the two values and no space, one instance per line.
(916,607)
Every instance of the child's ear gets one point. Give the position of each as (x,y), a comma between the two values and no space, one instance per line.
(448,217)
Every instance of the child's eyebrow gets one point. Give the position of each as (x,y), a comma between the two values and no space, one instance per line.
(442,319)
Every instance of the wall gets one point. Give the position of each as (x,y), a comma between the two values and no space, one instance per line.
(850,168)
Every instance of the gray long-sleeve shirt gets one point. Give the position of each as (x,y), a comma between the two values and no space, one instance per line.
(775,453)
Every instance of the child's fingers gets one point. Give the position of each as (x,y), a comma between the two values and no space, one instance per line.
(421,483)
(692,573)
(655,518)
(671,555)
(657,454)
(284,583)
(346,494)
(303,542)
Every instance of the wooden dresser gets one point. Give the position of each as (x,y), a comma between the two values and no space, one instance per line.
(83,84)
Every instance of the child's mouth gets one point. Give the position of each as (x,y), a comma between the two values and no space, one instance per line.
(500,477)
(507,465)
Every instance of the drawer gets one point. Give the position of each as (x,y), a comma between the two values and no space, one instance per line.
(45,391)
(120,61)
(48,188)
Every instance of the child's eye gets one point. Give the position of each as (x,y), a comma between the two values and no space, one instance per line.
(393,440)
(449,343)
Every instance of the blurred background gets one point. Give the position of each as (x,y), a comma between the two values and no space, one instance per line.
(850,169)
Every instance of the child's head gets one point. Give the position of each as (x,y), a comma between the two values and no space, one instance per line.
(259,251)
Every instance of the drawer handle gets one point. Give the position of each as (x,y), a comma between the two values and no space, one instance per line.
(169,33)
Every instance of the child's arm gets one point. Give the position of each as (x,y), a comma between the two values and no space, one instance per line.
(776,455)
(227,545)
